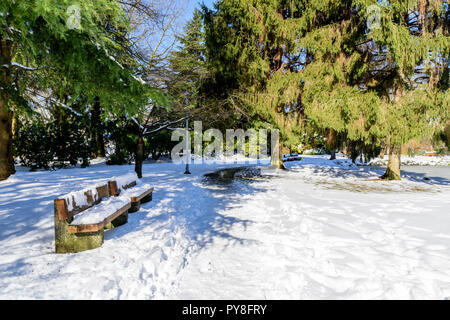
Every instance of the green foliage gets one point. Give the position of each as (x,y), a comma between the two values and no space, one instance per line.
(79,58)
(187,66)
(91,62)
(291,62)
(58,143)
(33,144)
(159,144)
(443,136)
(48,60)
(303,67)
(188,62)
(123,141)
(252,49)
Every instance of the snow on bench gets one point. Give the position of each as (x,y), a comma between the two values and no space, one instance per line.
(82,216)
(98,214)
(137,192)
(129,186)
(79,199)
(126,181)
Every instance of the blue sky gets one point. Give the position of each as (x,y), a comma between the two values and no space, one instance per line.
(188,10)
(196,3)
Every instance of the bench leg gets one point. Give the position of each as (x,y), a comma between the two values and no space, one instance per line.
(147,198)
(119,221)
(135,206)
(66,242)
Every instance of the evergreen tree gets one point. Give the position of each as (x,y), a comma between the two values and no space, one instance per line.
(317,61)
(384,83)
(47,45)
(187,63)
(252,49)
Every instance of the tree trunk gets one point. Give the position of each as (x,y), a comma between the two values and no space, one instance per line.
(382,153)
(98,148)
(6,114)
(13,130)
(6,157)
(393,169)
(276,161)
(447,134)
(333,155)
(384,150)
(345,148)
(353,151)
(331,143)
(139,157)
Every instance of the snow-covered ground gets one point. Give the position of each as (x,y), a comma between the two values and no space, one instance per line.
(321,230)
(415,161)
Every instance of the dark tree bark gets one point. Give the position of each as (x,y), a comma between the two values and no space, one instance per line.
(384,150)
(98,142)
(332,143)
(139,157)
(6,156)
(345,148)
(333,155)
(353,150)
(382,153)
(6,114)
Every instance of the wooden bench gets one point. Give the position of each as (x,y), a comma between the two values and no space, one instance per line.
(137,194)
(81,217)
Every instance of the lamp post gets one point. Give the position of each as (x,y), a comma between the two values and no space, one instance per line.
(188,148)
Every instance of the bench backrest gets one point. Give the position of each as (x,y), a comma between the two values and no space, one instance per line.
(122,183)
(115,189)
(76,202)
(79,201)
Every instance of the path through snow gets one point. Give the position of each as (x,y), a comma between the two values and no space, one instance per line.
(317,231)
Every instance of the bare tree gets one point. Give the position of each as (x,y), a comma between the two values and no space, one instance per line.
(154,27)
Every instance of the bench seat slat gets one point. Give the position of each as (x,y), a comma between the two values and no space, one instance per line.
(94,227)
(143,195)
(138,192)
(98,216)
(116,214)
(87,228)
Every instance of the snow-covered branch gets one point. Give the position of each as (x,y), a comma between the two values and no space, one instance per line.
(163,126)
(16,65)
